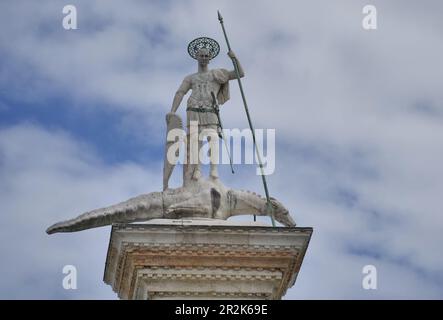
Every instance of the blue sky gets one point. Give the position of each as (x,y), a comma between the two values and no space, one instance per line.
(357,114)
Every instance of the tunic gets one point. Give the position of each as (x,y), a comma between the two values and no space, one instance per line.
(202,83)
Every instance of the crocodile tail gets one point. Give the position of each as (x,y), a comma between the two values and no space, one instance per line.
(135,209)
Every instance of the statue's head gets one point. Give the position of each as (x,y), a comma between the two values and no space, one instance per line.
(281,214)
(203,56)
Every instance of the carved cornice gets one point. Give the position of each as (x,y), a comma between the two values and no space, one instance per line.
(212,228)
(218,274)
(216,295)
(130,260)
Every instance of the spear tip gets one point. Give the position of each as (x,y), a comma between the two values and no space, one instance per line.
(220,18)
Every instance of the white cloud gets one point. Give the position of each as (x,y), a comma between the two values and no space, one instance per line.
(48,176)
(358,121)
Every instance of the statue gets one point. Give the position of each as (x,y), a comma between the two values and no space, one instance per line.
(198,196)
(200,105)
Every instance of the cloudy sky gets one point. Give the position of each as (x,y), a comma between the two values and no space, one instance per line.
(357,113)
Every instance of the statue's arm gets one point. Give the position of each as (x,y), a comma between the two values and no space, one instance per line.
(233,74)
(181,92)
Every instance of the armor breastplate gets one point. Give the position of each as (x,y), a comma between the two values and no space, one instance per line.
(202,84)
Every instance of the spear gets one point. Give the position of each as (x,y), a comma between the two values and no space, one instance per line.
(221,134)
(265,185)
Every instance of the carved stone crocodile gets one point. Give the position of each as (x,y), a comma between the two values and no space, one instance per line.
(202,198)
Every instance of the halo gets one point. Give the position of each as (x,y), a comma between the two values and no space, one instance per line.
(203,42)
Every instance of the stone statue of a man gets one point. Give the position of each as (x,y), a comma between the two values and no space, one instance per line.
(200,103)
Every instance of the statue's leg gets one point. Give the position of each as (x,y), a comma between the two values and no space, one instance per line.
(195,146)
(213,151)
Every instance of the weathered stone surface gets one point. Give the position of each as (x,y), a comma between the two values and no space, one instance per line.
(204,259)
(195,200)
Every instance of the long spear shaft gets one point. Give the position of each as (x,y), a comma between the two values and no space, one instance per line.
(265,185)
(222,134)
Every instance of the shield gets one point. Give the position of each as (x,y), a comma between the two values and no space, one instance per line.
(173,121)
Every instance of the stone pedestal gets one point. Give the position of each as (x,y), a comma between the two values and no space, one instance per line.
(204,259)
